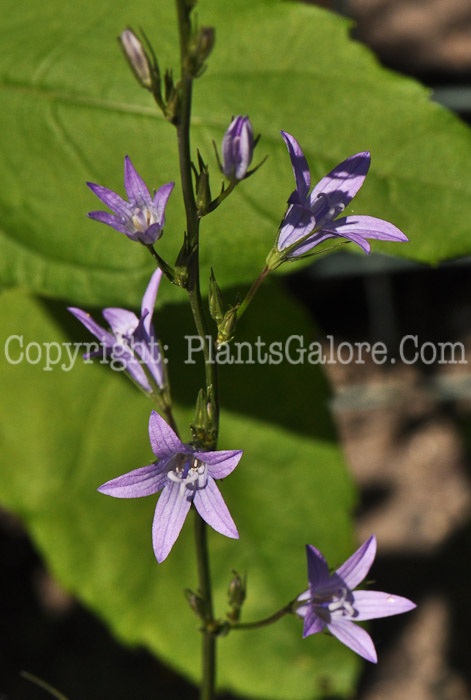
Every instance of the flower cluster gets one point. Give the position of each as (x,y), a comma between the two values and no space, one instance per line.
(184,473)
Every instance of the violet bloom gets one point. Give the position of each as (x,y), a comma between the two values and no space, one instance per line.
(132,343)
(311,217)
(142,218)
(237,148)
(185,476)
(330,602)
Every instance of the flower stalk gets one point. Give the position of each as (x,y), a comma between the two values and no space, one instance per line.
(194,295)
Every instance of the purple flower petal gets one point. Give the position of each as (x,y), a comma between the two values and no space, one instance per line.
(148,300)
(220,463)
(318,571)
(373,604)
(165,444)
(366,226)
(312,623)
(144,481)
(122,322)
(103,335)
(357,566)
(354,637)
(111,220)
(211,506)
(237,148)
(160,201)
(170,513)
(135,187)
(112,200)
(299,164)
(343,182)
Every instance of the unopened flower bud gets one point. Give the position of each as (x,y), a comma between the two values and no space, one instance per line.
(201,45)
(216,303)
(227,326)
(136,57)
(237,148)
(195,602)
(236,593)
(237,590)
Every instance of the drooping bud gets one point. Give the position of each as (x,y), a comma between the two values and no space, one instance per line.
(237,148)
(137,58)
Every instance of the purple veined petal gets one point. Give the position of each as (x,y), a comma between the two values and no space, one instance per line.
(228,156)
(135,187)
(170,513)
(299,164)
(148,300)
(317,568)
(122,322)
(211,506)
(164,442)
(103,335)
(312,623)
(112,200)
(160,201)
(357,566)
(343,182)
(111,220)
(150,235)
(367,227)
(297,223)
(220,463)
(373,604)
(245,148)
(144,481)
(354,637)
(148,350)
(133,367)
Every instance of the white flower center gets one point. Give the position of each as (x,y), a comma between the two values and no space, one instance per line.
(324,210)
(189,472)
(143,219)
(335,604)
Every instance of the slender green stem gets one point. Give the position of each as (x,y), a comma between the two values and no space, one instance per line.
(267,620)
(209,640)
(194,294)
(252,291)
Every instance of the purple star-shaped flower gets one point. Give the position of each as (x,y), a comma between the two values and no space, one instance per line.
(330,602)
(311,217)
(142,218)
(185,476)
(132,342)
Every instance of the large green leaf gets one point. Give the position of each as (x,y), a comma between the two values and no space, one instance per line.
(65,432)
(71,110)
